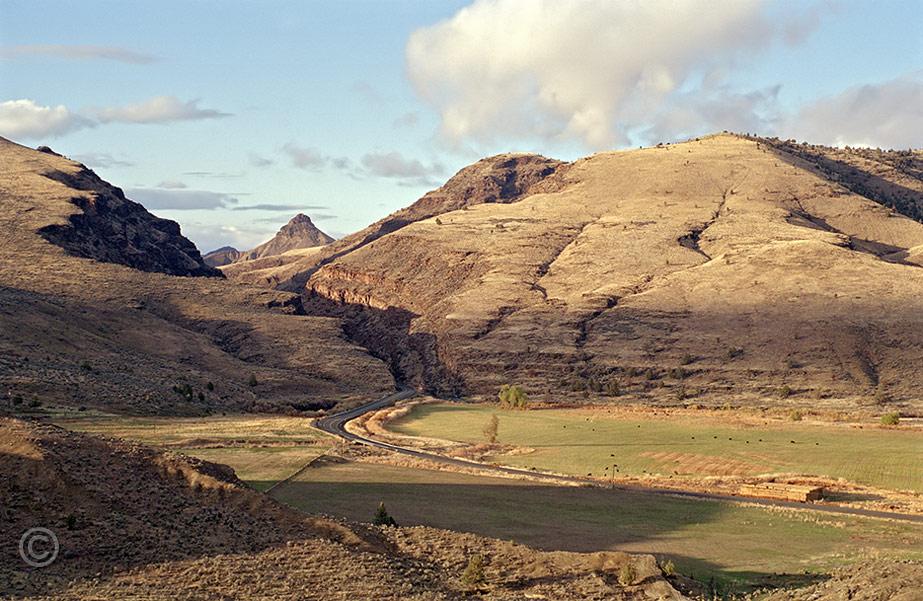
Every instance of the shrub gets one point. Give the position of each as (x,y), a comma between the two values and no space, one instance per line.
(891,419)
(734,352)
(512,397)
(382,518)
(210,387)
(785,392)
(35,403)
(490,430)
(687,359)
(677,373)
(881,395)
(85,365)
(252,381)
(613,388)
(795,415)
(681,393)
(668,568)
(474,571)
(626,574)
(17,400)
(201,396)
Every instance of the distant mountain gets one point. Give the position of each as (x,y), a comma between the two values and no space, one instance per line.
(299,232)
(221,256)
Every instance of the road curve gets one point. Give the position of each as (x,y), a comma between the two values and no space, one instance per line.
(336,424)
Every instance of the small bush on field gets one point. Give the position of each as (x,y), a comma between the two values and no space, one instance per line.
(687,359)
(490,430)
(677,373)
(35,403)
(382,518)
(734,352)
(512,397)
(626,574)
(252,381)
(613,388)
(891,419)
(474,571)
(210,387)
(881,396)
(795,415)
(785,392)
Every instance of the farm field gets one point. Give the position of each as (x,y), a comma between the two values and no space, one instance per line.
(741,546)
(261,449)
(596,442)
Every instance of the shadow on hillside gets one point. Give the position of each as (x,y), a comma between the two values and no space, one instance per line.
(543,517)
(414,358)
(905,201)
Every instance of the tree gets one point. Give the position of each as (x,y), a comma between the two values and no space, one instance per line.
(382,518)
(474,572)
(490,430)
(512,397)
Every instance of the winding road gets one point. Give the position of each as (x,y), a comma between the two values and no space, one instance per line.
(336,424)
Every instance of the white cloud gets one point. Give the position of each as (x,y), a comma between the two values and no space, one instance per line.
(81,52)
(394,165)
(160,109)
(178,199)
(25,118)
(305,158)
(887,115)
(209,236)
(101,160)
(587,71)
(172,184)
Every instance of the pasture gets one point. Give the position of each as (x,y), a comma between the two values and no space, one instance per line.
(601,441)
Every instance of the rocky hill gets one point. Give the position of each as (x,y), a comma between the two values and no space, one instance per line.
(721,270)
(100,223)
(135,523)
(221,256)
(299,232)
(100,328)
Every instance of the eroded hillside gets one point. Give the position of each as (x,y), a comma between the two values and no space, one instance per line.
(719,270)
(88,331)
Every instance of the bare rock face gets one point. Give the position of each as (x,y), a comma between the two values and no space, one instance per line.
(112,229)
(299,232)
(221,256)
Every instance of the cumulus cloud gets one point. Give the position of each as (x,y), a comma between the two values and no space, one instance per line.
(209,236)
(160,109)
(587,71)
(178,199)
(24,118)
(887,115)
(394,165)
(171,184)
(78,52)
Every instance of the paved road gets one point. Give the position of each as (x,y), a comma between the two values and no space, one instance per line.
(336,424)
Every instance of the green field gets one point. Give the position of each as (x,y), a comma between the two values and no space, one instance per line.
(261,449)
(740,545)
(583,442)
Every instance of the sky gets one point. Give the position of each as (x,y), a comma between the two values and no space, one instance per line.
(232,116)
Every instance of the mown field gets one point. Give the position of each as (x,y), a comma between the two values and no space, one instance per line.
(584,442)
(261,449)
(740,546)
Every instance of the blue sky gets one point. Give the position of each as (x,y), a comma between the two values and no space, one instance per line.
(230,117)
